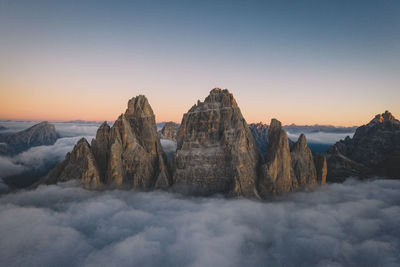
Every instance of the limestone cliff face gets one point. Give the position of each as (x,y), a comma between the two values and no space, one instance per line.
(127,155)
(321,168)
(78,164)
(286,169)
(303,170)
(373,150)
(275,172)
(170,130)
(216,152)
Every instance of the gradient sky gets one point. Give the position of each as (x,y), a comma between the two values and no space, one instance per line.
(303,62)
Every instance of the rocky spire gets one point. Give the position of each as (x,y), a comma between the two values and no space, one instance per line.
(127,155)
(216,152)
(380,118)
(78,164)
(321,168)
(303,168)
(275,172)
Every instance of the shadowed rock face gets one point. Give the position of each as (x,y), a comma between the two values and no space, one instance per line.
(40,134)
(127,155)
(260,134)
(321,168)
(78,164)
(170,130)
(216,152)
(373,150)
(285,170)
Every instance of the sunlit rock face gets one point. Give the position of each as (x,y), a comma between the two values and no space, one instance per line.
(170,130)
(275,172)
(127,155)
(216,152)
(303,170)
(373,150)
(286,169)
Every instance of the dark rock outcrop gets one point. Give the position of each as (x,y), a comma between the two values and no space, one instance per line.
(40,134)
(216,152)
(373,150)
(127,155)
(170,130)
(260,134)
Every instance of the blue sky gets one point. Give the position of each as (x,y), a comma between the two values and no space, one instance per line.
(334,62)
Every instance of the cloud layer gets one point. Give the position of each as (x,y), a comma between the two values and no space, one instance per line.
(320,137)
(350,224)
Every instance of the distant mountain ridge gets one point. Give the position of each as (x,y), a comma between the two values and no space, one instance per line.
(319,128)
(373,150)
(39,134)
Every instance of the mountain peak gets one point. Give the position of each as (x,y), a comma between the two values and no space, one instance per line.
(380,118)
(222,96)
(140,106)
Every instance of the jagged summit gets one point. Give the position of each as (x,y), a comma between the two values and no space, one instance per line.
(301,142)
(217,98)
(381,118)
(126,155)
(139,106)
(216,153)
(39,134)
(373,150)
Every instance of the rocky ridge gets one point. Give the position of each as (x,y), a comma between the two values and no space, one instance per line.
(40,134)
(216,154)
(126,155)
(373,150)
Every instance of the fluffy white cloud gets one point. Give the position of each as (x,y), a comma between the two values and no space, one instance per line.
(350,224)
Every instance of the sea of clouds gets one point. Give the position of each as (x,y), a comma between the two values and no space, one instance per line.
(41,157)
(350,224)
(320,137)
